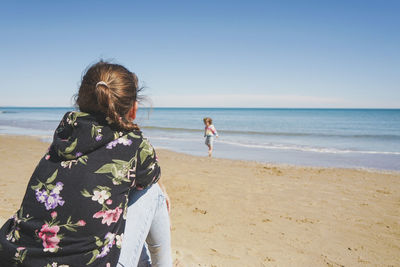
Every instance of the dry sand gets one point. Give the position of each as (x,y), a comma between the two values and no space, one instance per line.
(237,213)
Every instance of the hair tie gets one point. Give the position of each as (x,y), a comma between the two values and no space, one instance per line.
(101,83)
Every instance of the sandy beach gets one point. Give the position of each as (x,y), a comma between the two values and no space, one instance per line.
(238,213)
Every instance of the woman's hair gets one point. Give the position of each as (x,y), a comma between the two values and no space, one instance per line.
(110,89)
(207,119)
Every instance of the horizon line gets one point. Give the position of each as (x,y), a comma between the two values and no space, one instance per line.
(228,107)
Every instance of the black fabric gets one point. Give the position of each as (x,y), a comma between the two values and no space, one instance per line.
(73,211)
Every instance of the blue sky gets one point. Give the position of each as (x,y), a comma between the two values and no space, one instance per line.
(207,53)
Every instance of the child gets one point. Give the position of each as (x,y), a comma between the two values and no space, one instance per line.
(209,133)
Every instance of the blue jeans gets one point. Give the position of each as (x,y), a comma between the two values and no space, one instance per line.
(147,220)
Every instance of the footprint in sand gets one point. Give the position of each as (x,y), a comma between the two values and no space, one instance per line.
(200,211)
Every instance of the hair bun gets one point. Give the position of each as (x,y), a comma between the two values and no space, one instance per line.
(114,98)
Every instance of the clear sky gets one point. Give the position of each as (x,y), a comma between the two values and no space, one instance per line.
(207,53)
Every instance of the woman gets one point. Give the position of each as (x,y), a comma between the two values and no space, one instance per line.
(74,209)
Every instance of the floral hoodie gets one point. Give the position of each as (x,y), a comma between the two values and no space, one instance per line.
(73,211)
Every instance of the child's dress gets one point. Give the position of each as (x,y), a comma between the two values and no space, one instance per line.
(73,212)
(209,134)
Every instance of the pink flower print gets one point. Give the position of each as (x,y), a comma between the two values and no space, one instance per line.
(48,234)
(47,157)
(100,214)
(100,196)
(109,202)
(109,216)
(53,214)
(81,223)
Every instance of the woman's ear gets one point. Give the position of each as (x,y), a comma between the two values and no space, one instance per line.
(133,110)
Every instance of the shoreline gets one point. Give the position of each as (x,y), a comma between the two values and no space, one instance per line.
(352,139)
(42,138)
(239,213)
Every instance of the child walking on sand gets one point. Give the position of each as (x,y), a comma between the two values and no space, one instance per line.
(209,133)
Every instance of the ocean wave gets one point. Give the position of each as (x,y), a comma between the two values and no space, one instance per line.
(7,111)
(309,149)
(282,146)
(292,134)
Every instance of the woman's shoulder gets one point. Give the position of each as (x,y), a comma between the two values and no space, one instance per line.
(137,136)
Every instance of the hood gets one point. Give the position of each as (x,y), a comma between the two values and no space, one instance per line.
(80,133)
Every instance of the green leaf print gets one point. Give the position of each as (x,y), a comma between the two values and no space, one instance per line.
(23,255)
(99,243)
(66,153)
(150,168)
(114,170)
(51,186)
(73,162)
(96,132)
(81,114)
(85,193)
(134,135)
(52,177)
(147,151)
(38,186)
(101,187)
(106,168)
(20,254)
(69,228)
(17,218)
(17,236)
(82,160)
(72,116)
(20,212)
(95,253)
(119,169)
(71,147)
(68,156)
(121,162)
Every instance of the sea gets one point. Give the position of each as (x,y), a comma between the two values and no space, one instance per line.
(348,138)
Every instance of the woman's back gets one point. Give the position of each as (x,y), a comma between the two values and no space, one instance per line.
(74,206)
